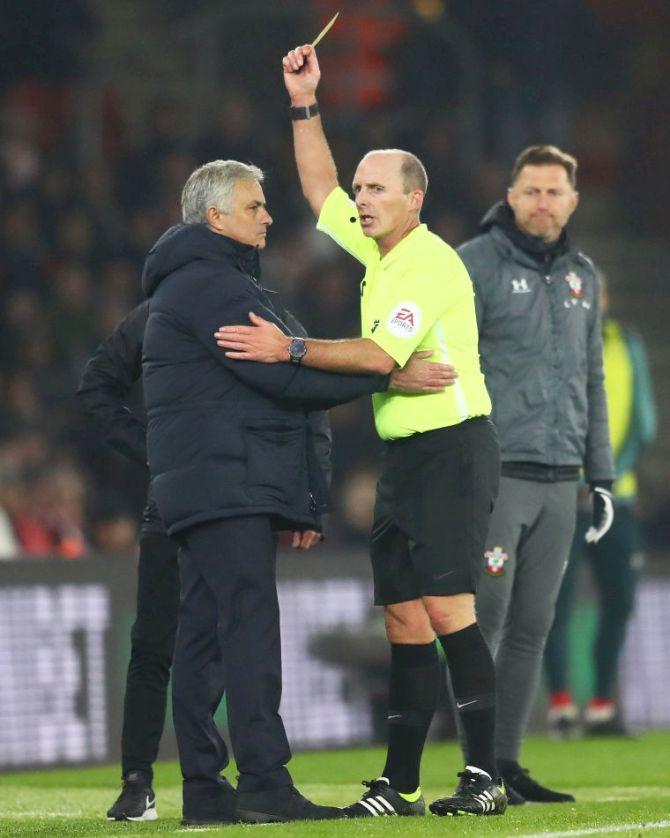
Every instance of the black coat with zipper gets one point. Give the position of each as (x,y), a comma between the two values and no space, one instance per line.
(113,374)
(227,438)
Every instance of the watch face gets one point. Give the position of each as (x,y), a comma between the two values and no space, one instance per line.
(297,349)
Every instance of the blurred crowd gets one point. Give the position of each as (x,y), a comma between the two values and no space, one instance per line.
(75,227)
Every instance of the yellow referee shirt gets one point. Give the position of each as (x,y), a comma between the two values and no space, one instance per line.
(419,296)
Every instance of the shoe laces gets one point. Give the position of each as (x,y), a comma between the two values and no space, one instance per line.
(469,778)
(375,785)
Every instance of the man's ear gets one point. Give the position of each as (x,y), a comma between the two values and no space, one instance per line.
(213,216)
(416,197)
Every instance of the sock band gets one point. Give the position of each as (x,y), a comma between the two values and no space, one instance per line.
(410,655)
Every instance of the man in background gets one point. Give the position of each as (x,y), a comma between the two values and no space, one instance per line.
(540,342)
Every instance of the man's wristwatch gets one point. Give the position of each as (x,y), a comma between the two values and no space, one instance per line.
(297,349)
(304,112)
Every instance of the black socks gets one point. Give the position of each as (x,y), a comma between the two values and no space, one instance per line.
(473,682)
(414,685)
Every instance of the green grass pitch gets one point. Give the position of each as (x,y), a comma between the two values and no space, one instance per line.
(622,788)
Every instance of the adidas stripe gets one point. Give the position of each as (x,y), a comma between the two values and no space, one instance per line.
(386,803)
(377,806)
(370,809)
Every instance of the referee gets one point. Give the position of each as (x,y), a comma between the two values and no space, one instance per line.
(440,476)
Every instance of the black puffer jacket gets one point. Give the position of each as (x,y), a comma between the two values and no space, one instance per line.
(112,378)
(227,438)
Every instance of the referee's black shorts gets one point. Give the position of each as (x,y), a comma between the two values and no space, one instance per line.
(434,500)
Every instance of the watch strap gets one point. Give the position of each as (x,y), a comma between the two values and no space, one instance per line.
(304,111)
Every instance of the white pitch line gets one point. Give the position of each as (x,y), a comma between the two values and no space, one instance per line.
(602,830)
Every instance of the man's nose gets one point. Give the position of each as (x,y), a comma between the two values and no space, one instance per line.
(267,218)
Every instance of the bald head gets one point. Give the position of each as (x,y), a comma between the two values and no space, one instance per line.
(411,169)
(389,187)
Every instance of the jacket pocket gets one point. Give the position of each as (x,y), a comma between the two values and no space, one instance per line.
(276,459)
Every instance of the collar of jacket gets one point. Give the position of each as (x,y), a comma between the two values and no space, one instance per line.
(501,217)
(245,256)
(509,250)
(187,243)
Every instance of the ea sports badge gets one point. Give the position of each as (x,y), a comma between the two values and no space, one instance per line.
(495,561)
(404,320)
(575,283)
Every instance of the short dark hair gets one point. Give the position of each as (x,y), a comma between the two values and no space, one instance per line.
(545,155)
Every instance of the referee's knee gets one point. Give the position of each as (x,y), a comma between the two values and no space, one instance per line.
(408,622)
(449,614)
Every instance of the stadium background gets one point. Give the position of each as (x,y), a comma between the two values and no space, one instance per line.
(105,109)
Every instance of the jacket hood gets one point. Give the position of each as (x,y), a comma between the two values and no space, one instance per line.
(185,243)
(501,215)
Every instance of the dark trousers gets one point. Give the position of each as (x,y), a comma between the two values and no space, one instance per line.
(615,576)
(229,617)
(153,638)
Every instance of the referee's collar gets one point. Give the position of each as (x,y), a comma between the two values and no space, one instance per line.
(417,233)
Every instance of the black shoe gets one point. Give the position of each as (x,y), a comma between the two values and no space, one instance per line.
(513,797)
(519,779)
(281,805)
(208,803)
(476,794)
(137,801)
(381,800)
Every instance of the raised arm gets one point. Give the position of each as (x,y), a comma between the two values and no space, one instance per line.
(316,167)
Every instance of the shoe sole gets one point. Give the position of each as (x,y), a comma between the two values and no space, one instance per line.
(249,816)
(384,815)
(149,815)
(458,813)
(195,822)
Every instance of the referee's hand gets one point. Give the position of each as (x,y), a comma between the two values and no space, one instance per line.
(422,376)
(301,74)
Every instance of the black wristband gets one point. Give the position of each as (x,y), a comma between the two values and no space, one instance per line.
(304,112)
